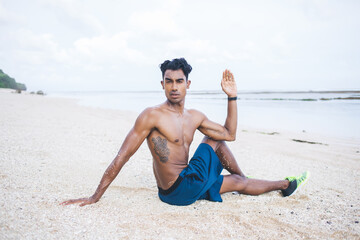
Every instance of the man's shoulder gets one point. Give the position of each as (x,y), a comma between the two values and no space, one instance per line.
(152,110)
(151,113)
(195,112)
(196,115)
(148,117)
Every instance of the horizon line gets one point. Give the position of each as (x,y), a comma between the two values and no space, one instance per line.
(210,91)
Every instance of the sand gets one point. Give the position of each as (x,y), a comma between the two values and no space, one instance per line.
(53,149)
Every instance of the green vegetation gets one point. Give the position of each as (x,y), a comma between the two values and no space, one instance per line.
(8,82)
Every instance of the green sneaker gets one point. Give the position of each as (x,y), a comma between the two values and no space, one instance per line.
(295,183)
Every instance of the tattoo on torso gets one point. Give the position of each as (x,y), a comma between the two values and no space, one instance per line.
(161,149)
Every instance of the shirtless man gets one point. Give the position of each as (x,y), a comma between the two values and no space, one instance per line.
(169,130)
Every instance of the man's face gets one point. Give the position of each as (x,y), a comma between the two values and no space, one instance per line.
(175,85)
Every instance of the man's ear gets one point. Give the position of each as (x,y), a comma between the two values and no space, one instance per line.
(162,84)
(188,82)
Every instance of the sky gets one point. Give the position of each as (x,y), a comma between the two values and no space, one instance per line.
(115,45)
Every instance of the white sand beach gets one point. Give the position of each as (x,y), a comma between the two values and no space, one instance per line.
(52,149)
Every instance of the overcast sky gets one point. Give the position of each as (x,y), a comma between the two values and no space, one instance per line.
(58,45)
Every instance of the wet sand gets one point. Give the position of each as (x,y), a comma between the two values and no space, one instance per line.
(52,150)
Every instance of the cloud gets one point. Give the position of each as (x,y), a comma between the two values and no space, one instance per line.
(89,53)
(88,40)
(107,50)
(8,17)
(36,49)
(162,19)
(74,10)
(201,50)
(154,21)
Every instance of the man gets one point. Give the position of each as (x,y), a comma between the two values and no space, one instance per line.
(169,129)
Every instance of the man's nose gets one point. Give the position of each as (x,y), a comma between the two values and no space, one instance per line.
(174,87)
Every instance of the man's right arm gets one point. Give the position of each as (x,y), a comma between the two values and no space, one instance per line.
(143,125)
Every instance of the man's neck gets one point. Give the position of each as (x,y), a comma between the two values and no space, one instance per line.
(176,107)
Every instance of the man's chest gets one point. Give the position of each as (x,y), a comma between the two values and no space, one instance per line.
(178,130)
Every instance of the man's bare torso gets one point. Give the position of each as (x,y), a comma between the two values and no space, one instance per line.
(169,142)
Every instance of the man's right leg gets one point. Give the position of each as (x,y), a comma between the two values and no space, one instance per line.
(227,159)
(225,156)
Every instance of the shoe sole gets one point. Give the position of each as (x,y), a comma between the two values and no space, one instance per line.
(301,185)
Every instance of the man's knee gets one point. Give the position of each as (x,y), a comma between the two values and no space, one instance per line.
(213,143)
(239,181)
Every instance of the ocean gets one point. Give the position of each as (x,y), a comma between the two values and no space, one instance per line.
(329,113)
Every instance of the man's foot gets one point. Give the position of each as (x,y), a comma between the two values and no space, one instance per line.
(295,183)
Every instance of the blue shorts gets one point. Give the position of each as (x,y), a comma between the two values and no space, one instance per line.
(201,179)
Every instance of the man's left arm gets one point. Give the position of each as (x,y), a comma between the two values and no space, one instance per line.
(228,131)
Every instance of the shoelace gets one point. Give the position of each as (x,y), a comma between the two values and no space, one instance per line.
(298,179)
(292,178)
(302,178)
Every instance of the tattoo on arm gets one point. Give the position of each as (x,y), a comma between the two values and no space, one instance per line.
(161,149)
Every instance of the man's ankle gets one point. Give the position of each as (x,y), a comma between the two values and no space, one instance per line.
(285,185)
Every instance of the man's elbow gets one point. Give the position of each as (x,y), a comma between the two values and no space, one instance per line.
(231,138)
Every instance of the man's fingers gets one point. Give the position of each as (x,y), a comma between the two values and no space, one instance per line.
(84,203)
(227,75)
(65,202)
(228,83)
(72,201)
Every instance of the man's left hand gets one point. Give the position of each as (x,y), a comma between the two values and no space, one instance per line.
(228,84)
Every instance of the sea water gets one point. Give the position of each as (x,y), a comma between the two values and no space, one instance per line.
(325,113)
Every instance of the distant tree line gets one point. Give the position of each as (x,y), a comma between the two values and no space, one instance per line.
(8,82)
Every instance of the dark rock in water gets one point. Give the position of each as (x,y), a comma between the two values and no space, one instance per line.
(40,92)
(271,133)
(308,99)
(303,141)
(348,98)
(18,91)
(340,98)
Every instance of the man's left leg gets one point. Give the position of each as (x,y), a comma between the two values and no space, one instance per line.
(251,186)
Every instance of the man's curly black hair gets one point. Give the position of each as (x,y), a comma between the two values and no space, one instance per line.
(175,64)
